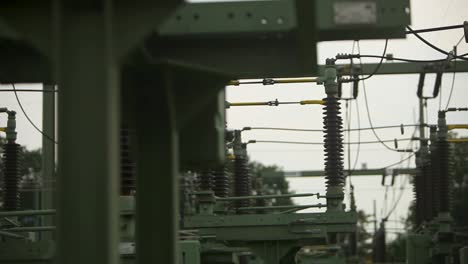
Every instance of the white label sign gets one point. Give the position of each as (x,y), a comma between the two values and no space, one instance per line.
(355,13)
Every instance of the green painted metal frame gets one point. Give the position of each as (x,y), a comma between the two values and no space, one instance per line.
(81,46)
(388,68)
(22,251)
(273,237)
(273,227)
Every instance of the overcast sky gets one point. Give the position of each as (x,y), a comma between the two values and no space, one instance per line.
(392,101)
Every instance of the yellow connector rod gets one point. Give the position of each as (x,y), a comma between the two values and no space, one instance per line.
(233,82)
(458,140)
(451,127)
(2,129)
(312,102)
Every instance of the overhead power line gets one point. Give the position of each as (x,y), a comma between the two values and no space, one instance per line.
(27,116)
(321,143)
(425,30)
(452,54)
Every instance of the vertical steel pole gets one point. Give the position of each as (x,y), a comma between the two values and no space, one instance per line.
(48,156)
(157,169)
(88,153)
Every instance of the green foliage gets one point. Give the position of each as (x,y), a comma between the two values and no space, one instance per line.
(270,180)
(460,184)
(396,250)
(363,236)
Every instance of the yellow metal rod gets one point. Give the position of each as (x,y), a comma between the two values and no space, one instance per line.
(234,82)
(458,140)
(2,129)
(312,102)
(458,126)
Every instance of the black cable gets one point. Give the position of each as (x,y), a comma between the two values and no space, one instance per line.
(403,184)
(454,73)
(28,90)
(359,141)
(399,59)
(320,143)
(321,130)
(27,117)
(425,30)
(378,65)
(350,172)
(399,162)
(348,124)
(452,86)
(435,47)
(367,107)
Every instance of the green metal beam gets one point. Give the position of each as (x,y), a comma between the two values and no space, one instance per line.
(28,212)
(272,227)
(333,20)
(224,18)
(388,68)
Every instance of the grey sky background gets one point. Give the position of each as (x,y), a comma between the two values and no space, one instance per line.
(392,101)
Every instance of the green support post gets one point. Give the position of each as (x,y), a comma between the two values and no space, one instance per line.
(158,168)
(87,74)
(464,255)
(48,155)
(418,249)
(189,252)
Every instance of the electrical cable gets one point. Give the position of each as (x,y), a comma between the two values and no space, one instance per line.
(398,199)
(367,106)
(321,130)
(452,86)
(434,29)
(27,117)
(435,47)
(359,129)
(359,142)
(29,90)
(358,56)
(454,73)
(402,186)
(347,124)
(378,65)
(399,162)
(320,143)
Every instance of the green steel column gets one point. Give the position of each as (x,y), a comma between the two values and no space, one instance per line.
(464,255)
(48,155)
(88,120)
(157,169)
